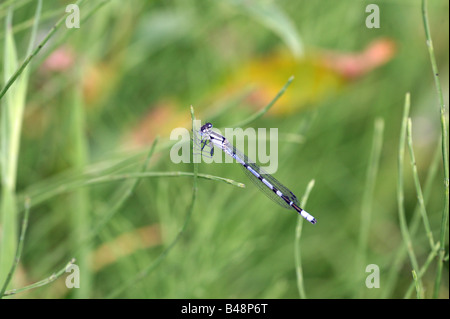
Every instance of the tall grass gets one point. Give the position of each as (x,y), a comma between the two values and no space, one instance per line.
(181,231)
(80,199)
(400,189)
(297,251)
(19,248)
(444,141)
(368,198)
(12,109)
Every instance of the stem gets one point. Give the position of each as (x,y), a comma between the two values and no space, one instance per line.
(145,272)
(444,132)
(414,226)
(43,282)
(430,258)
(12,109)
(19,247)
(366,209)
(28,59)
(416,281)
(61,189)
(400,193)
(420,199)
(297,250)
(257,115)
(126,195)
(80,200)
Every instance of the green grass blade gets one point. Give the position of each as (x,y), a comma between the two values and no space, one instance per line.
(416,281)
(28,59)
(80,208)
(19,247)
(12,109)
(415,222)
(269,14)
(260,113)
(420,198)
(369,189)
(431,257)
(145,272)
(116,205)
(400,188)
(10,128)
(444,141)
(297,249)
(56,190)
(43,282)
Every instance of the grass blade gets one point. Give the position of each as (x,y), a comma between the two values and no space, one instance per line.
(145,272)
(43,282)
(400,192)
(366,209)
(420,199)
(260,113)
(130,190)
(30,56)
(416,281)
(415,222)
(297,250)
(431,256)
(12,109)
(80,200)
(444,140)
(269,14)
(19,247)
(56,190)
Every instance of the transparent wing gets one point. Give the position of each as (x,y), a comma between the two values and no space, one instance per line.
(201,145)
(272,180)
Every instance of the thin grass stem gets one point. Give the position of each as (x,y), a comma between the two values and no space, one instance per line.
(416,281)
(43,282)
(17,3)
(400,189)
(260,113)
(444,140)
(28,59)
(61,189)
(12,110)
(414,226)
(126,195)
(145,272)
(78,156)
(19,247)
(431,256)
(297,250)
(366,208)
(420,199)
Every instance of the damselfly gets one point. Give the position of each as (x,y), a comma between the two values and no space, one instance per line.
(273,189)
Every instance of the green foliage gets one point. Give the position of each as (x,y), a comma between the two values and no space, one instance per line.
(79,146)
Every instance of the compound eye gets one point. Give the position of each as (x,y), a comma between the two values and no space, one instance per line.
(205,127)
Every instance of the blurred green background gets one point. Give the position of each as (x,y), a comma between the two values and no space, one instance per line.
(98,96)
